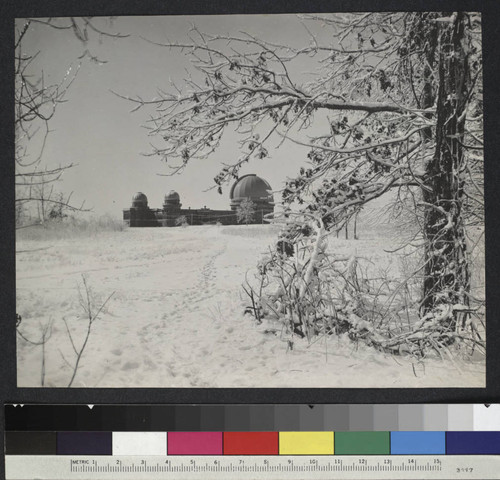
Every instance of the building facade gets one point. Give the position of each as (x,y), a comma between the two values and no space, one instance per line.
(249,187)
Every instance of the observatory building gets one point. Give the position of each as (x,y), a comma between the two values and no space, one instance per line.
(249,187)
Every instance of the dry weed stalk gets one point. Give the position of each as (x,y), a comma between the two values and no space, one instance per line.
(87,302)
(92,311)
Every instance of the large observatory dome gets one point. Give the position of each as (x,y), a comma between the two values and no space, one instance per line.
(252,187)
(257,190)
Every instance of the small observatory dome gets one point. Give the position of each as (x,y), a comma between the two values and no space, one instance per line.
(172,196)
(253,187)
(139,200)
(171,201)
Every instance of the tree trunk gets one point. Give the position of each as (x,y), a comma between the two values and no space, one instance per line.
(446,281)
(356,225)
(312,261)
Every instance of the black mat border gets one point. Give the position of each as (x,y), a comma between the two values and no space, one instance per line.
(12,9)
(9,393)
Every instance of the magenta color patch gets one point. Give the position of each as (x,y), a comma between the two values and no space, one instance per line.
(194,443)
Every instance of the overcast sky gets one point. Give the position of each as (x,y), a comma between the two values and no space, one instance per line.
(96,130)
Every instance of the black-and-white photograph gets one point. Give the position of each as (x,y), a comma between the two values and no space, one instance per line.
(250,201)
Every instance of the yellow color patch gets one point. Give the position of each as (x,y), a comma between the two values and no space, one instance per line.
(306,443)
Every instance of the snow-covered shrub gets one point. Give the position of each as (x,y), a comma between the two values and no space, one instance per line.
(181,221)
(71,227)
(311,292)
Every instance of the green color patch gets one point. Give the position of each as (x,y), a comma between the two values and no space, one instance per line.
(362,443)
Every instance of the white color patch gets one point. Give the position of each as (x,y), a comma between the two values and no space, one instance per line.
(486,418)
(139,443)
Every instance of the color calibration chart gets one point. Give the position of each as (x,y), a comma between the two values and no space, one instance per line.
(62,442)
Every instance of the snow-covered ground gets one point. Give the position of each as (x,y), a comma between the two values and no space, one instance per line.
(176,318)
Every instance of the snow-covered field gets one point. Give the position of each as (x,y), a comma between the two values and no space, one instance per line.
(176,318)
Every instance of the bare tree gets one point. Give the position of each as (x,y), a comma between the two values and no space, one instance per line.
(395,104)
(36,102)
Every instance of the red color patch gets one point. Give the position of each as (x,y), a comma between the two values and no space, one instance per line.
(251,443)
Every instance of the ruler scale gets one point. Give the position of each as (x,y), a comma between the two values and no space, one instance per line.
(247,467)
(106,442)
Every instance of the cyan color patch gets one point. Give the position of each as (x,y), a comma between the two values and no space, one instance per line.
(418,443)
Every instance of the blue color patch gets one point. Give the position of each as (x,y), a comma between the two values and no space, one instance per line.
(418,443)
(472,443)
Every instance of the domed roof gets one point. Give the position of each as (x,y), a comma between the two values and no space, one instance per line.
(139,197)
(251,186)
(172,195)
